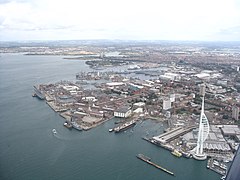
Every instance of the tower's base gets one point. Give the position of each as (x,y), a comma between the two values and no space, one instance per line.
(200,157)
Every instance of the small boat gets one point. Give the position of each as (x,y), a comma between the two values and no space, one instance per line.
(223,177)
(226,161)
(54,131)
(176,153)
(110,130)
(68,125)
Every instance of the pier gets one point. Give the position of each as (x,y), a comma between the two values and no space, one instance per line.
(217,166)
(148,160)
(172,134)
(166,146)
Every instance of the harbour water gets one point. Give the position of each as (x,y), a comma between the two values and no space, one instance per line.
(29,149)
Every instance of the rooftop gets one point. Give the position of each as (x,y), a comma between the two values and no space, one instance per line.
(230,130)
(123,109)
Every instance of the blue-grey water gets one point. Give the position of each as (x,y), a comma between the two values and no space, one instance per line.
(29,150)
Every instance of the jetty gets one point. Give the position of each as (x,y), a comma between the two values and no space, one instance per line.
(216,166)
(148,160)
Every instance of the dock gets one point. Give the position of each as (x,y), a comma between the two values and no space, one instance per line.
(173,134)
(148,160)
(217,166)
(166,146)
(151,140)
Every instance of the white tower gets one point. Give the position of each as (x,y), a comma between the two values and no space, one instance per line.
(166,104)
(202,134)
(235,112)
(202,89)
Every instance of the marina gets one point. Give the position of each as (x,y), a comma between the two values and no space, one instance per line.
(216,166)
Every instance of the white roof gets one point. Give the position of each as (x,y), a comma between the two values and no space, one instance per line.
(115,83)
(171,74)
(139,104)
(202,75)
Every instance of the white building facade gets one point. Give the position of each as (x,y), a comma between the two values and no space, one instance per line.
(166,104)
(123,112)
(235,112)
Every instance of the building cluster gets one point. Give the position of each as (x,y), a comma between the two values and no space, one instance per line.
(147,51)
(171,90)
(174,92)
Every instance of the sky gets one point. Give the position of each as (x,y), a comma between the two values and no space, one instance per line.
(204,20)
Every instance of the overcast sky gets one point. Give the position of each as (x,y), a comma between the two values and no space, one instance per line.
(206,20)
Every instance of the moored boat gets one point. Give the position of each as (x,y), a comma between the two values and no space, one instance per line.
(76,126)
(38,93)
(176,153)
(68,125)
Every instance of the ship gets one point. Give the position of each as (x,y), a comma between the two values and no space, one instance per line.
(125,126)
(38,93)
(176,153)
(76,126)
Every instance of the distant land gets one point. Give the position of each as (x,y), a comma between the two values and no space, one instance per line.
(148,51)
(212,44)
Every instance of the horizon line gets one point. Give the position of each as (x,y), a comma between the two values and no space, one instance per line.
(136,40)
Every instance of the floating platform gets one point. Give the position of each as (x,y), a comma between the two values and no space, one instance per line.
(148,160)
